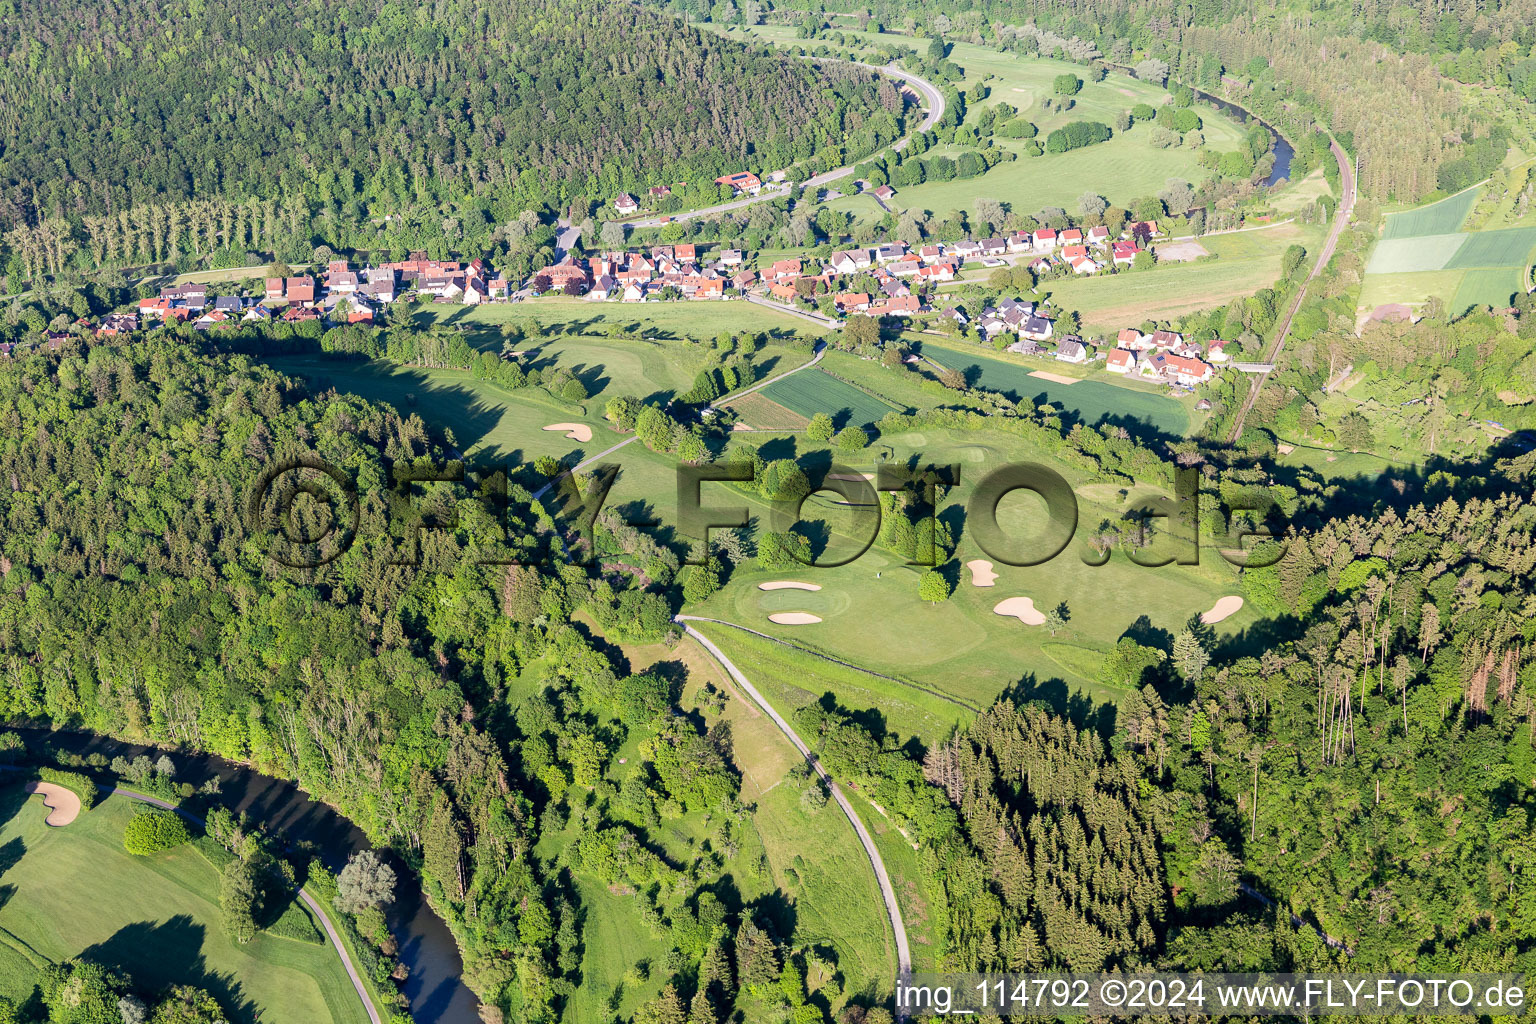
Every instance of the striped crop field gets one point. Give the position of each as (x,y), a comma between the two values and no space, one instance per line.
(813,391)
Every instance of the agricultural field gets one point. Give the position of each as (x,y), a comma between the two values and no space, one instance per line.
(75,891)
(1245,262)
(1424,253)
(1092,401)
(1443,217)
(813,391)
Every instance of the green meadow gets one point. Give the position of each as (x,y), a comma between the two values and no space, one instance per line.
(1125,168)
(74,891)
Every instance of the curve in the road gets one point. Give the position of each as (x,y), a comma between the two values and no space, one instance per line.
(1340,221)
(887,891)
(309,901)
(935,111)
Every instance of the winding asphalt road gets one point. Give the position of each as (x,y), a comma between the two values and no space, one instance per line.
(887,891)
(1340,222)
(934,98)
(309,901)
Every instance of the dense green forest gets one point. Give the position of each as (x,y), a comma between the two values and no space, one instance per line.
(133,133)
(1363,756)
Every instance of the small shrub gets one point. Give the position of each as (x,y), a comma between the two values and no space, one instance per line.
(81,785)
(153,830)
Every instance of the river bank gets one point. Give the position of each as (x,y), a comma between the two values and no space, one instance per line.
(434,987)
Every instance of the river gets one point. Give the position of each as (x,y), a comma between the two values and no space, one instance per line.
(435,986)
(1282,148)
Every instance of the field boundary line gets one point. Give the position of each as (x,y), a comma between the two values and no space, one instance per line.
(949,698)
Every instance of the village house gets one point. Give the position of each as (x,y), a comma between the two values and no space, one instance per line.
(730,257)
(274,289)
(741,181)
(1216,351)
(898,305)
(659,191)
(114,324)
(1045,240)
(1036,328)
(884,193)
(1133,340)
(851,302)
(1025,347)
(191,296)
(634,292)
(1071,236)
(1182,369)
(624,204)
(850,261)
(1167,339)
(604,287)
(782,292)
(1082,264)
(954,313)
(157,307)
(1124,253)
(1121,361)
(1019,241)
(993,246)
(299,290)
(783,270)
(890,252)
(1098,235)
(1071,350)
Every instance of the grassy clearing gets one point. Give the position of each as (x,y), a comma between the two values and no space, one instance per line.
(872,617)
(75,891)
(1411,289)
(1495,287)
(1440,218)
(813,391)
(1302,194)
(1511,246)
(1093,401)
(1414,255)
(1246,261)
(762,413)
(488,422)
(663,320)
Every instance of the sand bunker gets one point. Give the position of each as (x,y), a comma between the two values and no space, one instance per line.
(63,805)
(1054,378)
(1225,607)
(575,431)
(981,572)
(1285,449)
(1021,608)
(788,585)
(852,477)
(794,618)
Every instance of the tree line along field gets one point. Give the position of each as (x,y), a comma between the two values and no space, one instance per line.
(75,891)
(1425,252)
(1092,401)
(1125,168)
(832,899)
